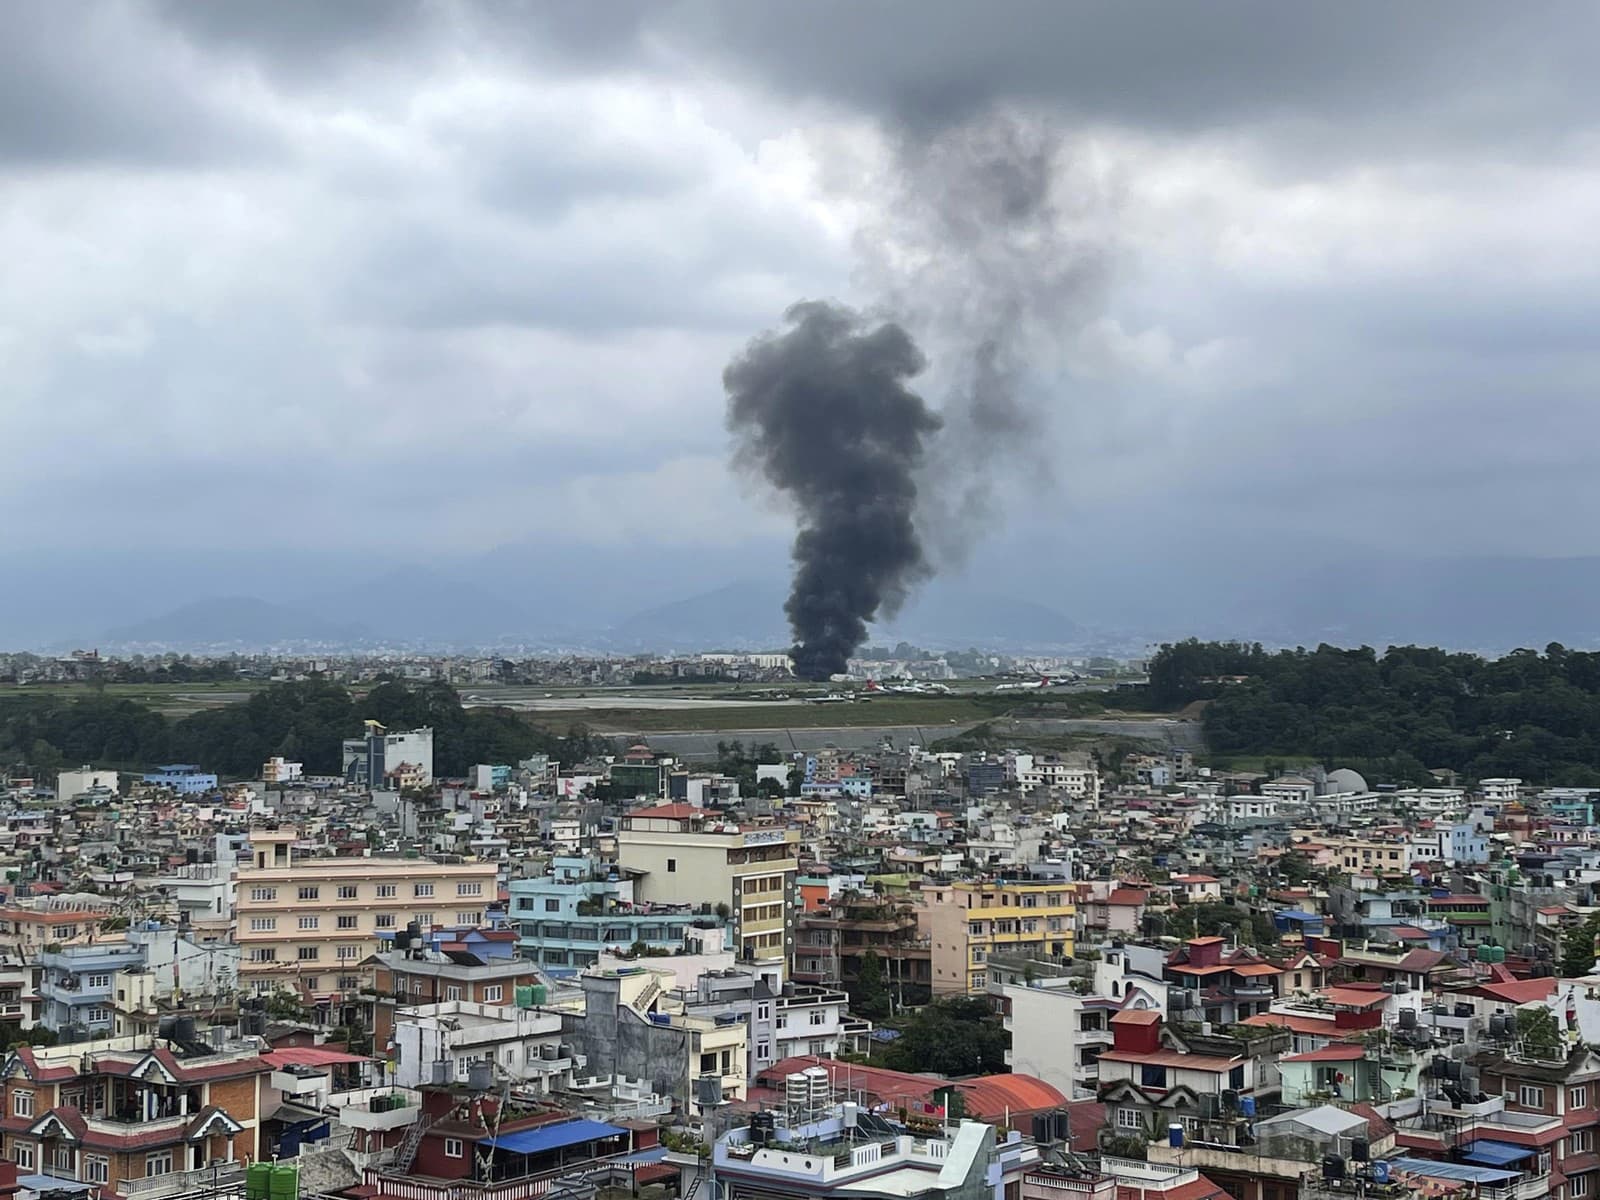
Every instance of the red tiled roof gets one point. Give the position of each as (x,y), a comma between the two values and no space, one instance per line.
(1520,991)
(1137,1016)
(309,1056)
(1294,1024)
(1086,1118)
(1172,1058)
(1347,1052)
(992,1096)
(1127,896)
(1353,997)
(678,812)
(878,1081)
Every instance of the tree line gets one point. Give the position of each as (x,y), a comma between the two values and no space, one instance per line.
(304,721)
(1395,715)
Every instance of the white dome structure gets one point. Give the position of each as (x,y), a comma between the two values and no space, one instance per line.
(1345,780)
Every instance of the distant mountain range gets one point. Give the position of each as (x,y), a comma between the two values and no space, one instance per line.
(750,613)
(538,599)
(233,622)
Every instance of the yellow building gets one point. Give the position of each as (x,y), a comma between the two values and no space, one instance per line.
(686,855)
(973,919)
(308,924)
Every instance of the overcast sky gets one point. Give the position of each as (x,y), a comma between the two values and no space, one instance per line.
(457,276)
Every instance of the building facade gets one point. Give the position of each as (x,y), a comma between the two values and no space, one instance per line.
(309,925)
(684,855)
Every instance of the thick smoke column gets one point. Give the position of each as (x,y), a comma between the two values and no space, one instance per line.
(822,412)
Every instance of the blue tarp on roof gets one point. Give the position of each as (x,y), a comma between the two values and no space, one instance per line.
(1465,1172)
(1497,1154)
(554,1137)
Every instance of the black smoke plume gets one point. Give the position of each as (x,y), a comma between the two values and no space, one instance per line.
(822,412)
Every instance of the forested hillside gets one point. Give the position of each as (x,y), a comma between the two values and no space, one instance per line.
(301,721)
(1396,714)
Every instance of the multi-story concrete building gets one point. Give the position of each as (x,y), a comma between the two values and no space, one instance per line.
(403,979)
(119,987)
(1499,791)
(632,1027)
(583,908)
(830,945)
(685,855)
(308,925)
(971,919)
(845,1150)
(438,1044)
(113,1112)
(383,758)
(26,931)
(86,782)
(186,779)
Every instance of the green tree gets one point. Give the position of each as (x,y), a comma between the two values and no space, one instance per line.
(1540,1034)
(868,995)
(956,1036)
(1577,948)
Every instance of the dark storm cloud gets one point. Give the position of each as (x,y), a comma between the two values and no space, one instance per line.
(102,84)
(1476,70)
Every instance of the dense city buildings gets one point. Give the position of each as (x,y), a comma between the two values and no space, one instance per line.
(912,967)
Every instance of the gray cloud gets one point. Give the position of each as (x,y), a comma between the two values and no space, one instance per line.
(1314,276)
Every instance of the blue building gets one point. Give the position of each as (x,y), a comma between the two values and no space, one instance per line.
(76,985)
(566,918)
(187,779)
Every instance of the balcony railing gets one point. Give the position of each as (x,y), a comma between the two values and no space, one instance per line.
(223,1177)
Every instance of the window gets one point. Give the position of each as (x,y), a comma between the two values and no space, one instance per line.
(308,953)
(1236,1077)
(552,906)
(96,1168)
(763,1051)
(308,922)
(421,890)
(23,1153)
(264,954)
(264,893)
(386,891)
(158,1163)
(348,952)
(349,983)
(96,1014)
(347,891)
(672,866)
(452,993)
(763,1012)
(1578,1185)
(97,981)
(63,1159)
(1128,1118)
(384,921)
(469,889)
(492,994)
(452,1147)
(1581,1141)
(1152,1076)
(349,920)
(22,1104)
(425,920)
(310,891)
(310,982)
(1578,1097)
(263,924)
(469,917)
(818,1017)
(1530,1097)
